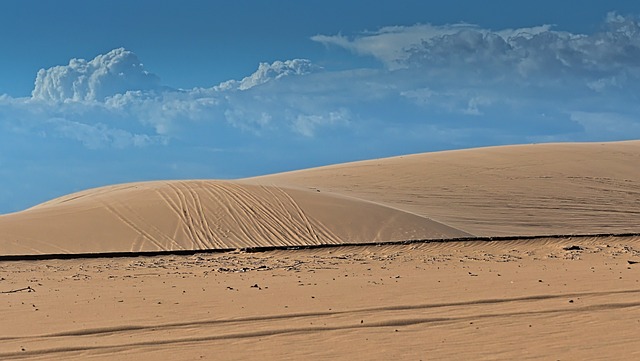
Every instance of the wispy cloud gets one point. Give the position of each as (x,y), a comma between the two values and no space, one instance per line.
(525,51)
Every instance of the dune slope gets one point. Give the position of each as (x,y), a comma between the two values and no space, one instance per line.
(541,189)
(549,189)
(199,215)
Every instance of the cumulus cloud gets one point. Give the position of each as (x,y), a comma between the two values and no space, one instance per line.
(111,101)
(266,72)
(115,72)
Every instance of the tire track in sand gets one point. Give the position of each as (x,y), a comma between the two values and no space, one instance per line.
(177,339)
(258,224)
(207,233)
(274,219)
(140,220)
(109,208)
(319,229)
(235,218)
(356,312)
(194,233)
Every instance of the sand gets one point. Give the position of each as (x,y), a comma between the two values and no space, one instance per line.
(200,215)
(566,188)
(459,300)
(564,284)
(546,189)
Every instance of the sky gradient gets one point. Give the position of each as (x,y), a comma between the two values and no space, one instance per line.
(103,92)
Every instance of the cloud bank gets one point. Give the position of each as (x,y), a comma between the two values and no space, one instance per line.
(525,51)
(519,84)
(436,87)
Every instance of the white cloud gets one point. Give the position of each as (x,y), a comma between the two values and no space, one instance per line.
(95,136)
(395,45)
(602,84)
(306,124)
(115,72)
(248,119)
(390,44)
(475,103)
(266,72)
(111,101)
(447,77)
(168,111)
(525,51)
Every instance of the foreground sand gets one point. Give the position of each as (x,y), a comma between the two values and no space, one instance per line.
(461,300)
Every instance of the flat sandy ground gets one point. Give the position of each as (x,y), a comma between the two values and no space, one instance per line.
(508,300)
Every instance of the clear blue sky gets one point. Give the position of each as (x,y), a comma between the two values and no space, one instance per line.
(225,89)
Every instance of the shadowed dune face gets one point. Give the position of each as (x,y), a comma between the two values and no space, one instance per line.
(198,215)
(517,190)
(514,190)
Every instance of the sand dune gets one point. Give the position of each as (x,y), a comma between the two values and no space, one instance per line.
(518,190)
(200,215)
(566,188)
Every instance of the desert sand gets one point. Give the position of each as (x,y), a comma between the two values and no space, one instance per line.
(518,252)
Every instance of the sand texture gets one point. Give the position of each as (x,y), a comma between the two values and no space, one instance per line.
(537,189)
(200,215)
(521,253)
(516,300)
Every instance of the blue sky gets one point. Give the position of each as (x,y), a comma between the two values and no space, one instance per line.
(101,92)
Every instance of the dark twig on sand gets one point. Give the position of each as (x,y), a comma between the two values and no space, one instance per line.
(28,289)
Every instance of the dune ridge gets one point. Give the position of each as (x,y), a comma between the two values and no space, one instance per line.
(527,190)
(555,188)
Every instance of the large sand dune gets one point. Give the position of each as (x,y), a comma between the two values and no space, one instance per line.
(537,189)
(200,215)
(545,189)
